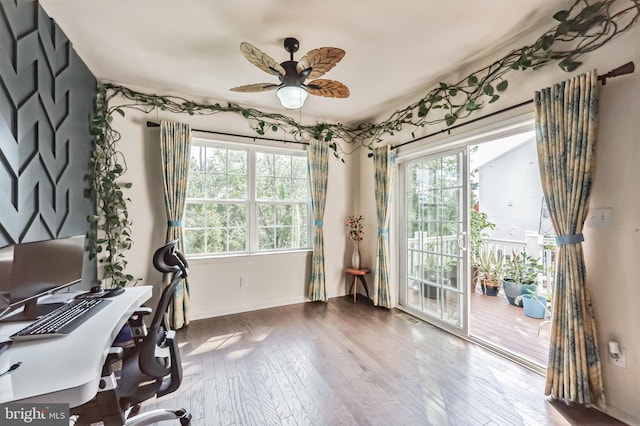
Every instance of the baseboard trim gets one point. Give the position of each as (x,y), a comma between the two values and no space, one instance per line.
(247,308)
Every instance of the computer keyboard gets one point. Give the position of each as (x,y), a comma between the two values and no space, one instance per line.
(62,320)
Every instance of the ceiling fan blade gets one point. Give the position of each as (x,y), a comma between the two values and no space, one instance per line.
(320,61)
(258,87)
(261,60)
(328,88)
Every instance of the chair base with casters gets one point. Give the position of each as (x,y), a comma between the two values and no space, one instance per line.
(159,415)
(151,368)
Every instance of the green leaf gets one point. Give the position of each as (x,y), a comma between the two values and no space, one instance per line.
(502,86)
(562,29)
(120,111)
(568,65)
(494,98)
(471,106)
(95,130)
(547,42)
(488,90)
(453,92)
(274,128)
(422,109)
(561,16)
(589,11)
(450,119)
(472,80)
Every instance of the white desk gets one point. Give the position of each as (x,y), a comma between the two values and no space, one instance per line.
(65,369)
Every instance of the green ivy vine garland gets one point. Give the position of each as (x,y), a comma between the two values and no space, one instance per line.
(581,29)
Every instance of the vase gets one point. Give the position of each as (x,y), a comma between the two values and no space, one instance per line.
(355,255)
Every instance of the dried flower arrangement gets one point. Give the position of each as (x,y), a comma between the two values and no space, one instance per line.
(356,227)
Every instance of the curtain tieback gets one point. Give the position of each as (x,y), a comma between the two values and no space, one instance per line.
(318,223)
(173,223)
(383,231)
(564,240)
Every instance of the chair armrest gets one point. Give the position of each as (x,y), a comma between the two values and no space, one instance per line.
(137,324)
(115,354)
(173,382)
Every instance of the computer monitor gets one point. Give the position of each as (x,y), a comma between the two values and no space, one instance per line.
(37,269)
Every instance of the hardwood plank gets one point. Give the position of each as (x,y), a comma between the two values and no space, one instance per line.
(299,413)
(210,405)
(226,410)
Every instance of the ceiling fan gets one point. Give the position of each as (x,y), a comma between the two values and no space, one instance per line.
(292,89)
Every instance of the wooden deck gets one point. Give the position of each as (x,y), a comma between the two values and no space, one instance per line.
(494,320)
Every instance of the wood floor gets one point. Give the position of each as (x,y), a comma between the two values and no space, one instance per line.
(340,363)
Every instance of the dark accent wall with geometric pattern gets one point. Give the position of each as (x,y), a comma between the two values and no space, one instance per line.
(47,98)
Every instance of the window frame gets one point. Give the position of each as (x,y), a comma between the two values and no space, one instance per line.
(252,203)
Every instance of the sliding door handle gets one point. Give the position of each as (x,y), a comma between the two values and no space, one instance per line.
(462,243)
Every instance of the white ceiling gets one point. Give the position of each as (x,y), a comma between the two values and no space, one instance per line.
(395,50)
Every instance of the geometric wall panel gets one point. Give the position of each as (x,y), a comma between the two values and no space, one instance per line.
(47,97)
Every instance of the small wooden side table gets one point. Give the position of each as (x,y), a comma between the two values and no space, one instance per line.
(358,274)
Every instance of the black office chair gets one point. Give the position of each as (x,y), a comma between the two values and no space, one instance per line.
(144,374)
(147,369)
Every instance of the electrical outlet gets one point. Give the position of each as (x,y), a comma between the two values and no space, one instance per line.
(244,282)
(599,217)
(621,361)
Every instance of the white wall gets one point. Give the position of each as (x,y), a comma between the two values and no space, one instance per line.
(611,253)
(274,279)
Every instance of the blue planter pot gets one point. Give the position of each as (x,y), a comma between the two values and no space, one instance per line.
(513,290)
(534,308)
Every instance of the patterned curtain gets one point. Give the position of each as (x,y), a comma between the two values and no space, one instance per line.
(383,163)
(175,139)
(318,164)
(566,124)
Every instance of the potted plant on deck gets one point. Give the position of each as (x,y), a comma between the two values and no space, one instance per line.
(534,304)
(520,276)
(490,266)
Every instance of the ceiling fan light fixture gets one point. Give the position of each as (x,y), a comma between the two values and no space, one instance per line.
(292,97)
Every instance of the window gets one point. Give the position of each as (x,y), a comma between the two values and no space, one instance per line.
(245,199)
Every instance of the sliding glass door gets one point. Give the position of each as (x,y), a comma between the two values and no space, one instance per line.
(434,241)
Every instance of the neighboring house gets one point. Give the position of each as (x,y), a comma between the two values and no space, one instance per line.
(510,193)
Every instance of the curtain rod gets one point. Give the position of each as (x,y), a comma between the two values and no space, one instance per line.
(152,124)
(627,68)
